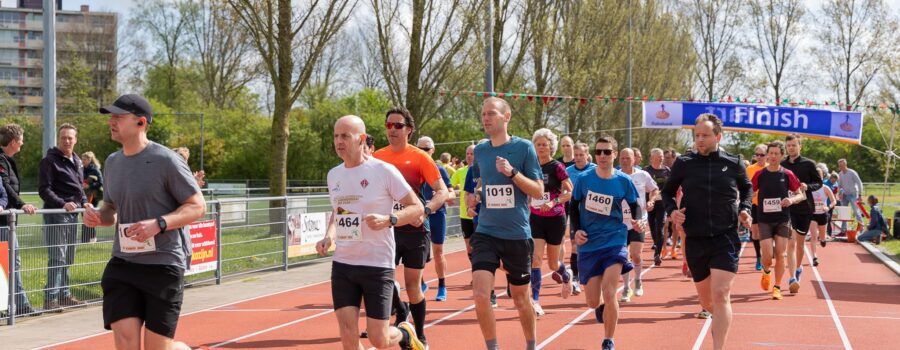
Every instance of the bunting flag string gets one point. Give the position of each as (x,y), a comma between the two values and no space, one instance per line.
(606,99)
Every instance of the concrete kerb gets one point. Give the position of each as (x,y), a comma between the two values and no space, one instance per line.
(886,260)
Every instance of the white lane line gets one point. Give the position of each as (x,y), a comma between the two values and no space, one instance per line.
(831,309)
(233,303)
(708,322)
(585,314)
(235,340)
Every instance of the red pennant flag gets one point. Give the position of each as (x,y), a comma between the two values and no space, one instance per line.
(544,99)
(583,101)
(472,94)
(530,98)
(729,99)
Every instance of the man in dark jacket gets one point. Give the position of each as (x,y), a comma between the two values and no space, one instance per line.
(12,137)
(877,224)
(60,186)
(801,213)
(710,180)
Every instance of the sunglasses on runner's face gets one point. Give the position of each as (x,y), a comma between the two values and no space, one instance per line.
(397,126)
(605,152)
(426,149)
(760,154)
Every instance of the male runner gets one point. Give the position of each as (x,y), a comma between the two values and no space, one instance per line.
(801,213)
(647,196)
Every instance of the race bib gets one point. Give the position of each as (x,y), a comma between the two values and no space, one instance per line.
(772,205)
(820,207)
(598,203)
(129,245)
(398,206)
(538,202)
(626,213)
(500,196)
(348,227)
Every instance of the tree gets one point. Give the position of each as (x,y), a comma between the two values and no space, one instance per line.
(290,45)
(715,24)
(777,32)
(75,88)
(855,45)
(166,25)
(438,34)
(222,50)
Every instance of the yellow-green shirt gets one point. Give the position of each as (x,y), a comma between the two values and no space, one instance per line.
(457,181)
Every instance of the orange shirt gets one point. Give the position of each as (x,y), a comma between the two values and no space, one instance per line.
(415,165)
(751,170)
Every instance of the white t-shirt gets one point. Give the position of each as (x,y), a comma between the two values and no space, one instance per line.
(370,188)
(820,198)
(644,184)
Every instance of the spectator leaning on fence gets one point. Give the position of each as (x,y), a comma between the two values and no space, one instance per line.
(12,137)
(60,180)
(151,196)
(851,188)
(877,224)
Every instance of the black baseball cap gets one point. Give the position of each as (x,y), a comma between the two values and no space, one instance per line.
(130,103)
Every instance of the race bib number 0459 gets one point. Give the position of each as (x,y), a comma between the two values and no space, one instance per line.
(349,227)
(500,196)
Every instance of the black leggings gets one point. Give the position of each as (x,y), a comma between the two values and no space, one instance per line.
(656,218)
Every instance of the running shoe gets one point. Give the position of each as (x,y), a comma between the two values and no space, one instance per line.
(576,288)
(493,299)
(411,340)
(815,261)
(608,344)
(538,310)
(823,243)
(798,272)
(441,294)
(566,290)
(759,266)
(557,277)
(638,289)
(794,285)
(424,287)
(776,293)
(598,313)
(765,280)
(626,296)
(364,334)
(657,260)
(703,314)
(674,254)
(402,313)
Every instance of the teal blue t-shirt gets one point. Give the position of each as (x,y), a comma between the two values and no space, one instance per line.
(512,222)
(603,231)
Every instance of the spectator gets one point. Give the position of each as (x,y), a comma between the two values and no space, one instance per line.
(93,189)
(185,153)
(877,225)
(12,137)
(60,178)
(446,162)
(370,145)
(851,187)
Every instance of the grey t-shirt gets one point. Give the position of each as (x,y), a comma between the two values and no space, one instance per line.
(145,186)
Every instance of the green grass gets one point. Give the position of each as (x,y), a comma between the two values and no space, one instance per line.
(892,248)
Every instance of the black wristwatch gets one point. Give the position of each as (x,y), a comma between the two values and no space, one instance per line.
(513,173)
(394,220)
(428,210)
(162,224)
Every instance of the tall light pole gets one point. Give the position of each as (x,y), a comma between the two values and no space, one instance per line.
(49,85)
(489,47)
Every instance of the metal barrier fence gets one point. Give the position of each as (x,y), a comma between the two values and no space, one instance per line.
(252,236)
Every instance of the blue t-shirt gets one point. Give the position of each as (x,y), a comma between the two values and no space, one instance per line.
(574,172)
(508,223)
(604,231)
(427,192)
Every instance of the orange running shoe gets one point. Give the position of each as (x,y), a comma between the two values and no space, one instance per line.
(766,280)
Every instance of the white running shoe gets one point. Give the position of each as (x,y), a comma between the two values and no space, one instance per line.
(626,296)
(538,310)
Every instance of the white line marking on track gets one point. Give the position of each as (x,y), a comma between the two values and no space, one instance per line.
(831,309)
(584,314)
(235,340)
(708,322)
(237,302)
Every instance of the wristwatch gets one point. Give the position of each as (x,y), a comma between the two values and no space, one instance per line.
(513,173)
(394,219)
(162,224)
(428,210)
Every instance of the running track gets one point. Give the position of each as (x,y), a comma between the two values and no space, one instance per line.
(849,301)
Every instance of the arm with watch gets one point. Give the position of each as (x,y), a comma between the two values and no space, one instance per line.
(190,210)
(532,187)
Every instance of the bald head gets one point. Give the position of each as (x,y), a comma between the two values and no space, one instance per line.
(626,158)
(354,123)
(349,137)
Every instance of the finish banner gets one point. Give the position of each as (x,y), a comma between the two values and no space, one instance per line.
(816,123)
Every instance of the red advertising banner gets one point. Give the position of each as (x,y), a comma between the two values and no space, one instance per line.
(203,242)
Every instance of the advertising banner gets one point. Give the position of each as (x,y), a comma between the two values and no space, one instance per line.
(203,244)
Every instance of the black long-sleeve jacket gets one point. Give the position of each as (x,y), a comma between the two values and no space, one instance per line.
(711,186)
(806,172)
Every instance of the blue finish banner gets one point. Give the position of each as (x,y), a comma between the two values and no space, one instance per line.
(817,123)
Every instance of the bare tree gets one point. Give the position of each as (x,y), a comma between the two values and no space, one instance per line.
(715,25)
(855,45)
(438,35)
(166,25)
(223,51)
(290,45)
(777,33)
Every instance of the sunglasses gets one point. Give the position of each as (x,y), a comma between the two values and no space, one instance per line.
(397,126)
(426,149)
(760,155)
(605,152)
